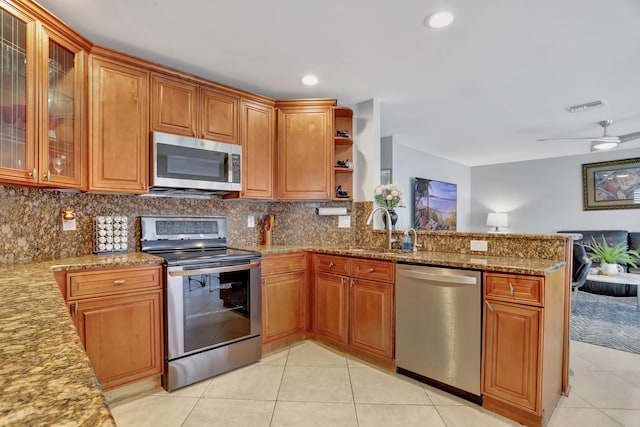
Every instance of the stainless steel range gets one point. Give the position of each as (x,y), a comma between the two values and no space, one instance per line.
(212,298)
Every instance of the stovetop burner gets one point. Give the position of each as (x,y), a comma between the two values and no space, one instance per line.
(182,257)
(189,240)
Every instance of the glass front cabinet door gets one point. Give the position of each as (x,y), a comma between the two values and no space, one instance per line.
(41,97)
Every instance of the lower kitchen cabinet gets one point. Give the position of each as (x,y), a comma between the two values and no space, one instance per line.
(371,317)
(512,352)
(118,316)
(523,345)
(353,305)
(284,299)
(122,337)
(331,306)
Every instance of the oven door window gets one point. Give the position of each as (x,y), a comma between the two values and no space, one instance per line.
(216,309)
(191,163)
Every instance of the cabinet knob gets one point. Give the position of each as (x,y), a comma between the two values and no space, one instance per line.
(331,264)
(511,290)
(370,270)
(119,282)
(33,174)
(47,176)
(489,305)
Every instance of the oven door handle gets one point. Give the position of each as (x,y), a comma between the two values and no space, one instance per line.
(212,270)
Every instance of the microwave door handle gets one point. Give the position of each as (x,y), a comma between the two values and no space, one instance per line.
(213,270)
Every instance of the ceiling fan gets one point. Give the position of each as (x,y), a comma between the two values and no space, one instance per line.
(604,142)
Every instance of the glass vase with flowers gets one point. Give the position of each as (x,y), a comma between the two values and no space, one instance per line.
(390,197)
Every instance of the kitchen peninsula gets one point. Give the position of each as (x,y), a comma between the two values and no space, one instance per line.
(47,378)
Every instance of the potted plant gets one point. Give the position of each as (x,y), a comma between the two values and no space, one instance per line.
(610,256)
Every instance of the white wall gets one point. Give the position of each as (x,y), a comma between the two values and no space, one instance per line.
(386,153)
(409,163)
(544,196)
(366,129)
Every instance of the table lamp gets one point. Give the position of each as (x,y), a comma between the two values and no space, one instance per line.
(497,220)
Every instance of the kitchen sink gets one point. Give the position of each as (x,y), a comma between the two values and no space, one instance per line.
(377,250)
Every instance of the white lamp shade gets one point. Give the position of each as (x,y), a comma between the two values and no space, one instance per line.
(495,219)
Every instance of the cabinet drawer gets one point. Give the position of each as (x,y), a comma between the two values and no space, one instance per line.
(510,287)
(332,264)
(283,263)
(107,282)
(373,270)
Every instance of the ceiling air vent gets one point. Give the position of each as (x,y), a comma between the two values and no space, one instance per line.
(586,106)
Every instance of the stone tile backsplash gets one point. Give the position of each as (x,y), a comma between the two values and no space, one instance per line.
(31,225)
(31,221)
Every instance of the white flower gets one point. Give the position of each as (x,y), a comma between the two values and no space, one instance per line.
(401,203)
(378,191)
(394,193)
(389,197)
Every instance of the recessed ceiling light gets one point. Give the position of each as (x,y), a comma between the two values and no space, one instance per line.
(310,80)
(439,19)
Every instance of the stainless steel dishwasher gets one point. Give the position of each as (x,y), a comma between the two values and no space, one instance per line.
(438,327)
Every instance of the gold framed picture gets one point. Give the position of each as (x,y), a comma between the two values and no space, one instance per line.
(611,185)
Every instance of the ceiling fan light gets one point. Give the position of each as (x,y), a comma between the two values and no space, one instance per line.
(599,145)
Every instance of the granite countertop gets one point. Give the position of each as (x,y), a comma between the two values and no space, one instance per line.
(45,375)
(534,267)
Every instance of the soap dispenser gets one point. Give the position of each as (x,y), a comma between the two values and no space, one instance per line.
(406,243)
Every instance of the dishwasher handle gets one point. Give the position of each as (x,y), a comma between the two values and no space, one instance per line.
(437,277)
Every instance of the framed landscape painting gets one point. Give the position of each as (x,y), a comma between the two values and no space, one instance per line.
(611,185)
(435,205)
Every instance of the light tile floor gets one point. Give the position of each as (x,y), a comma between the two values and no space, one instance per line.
(310,385)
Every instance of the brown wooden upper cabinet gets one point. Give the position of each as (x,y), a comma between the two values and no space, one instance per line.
(42,98)
(257,135)
(119,124)
(305,149)
(185,107)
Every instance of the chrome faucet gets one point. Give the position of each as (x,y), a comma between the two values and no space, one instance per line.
(389,226)
(415,238)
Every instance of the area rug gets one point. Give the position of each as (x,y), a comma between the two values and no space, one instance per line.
(606,321)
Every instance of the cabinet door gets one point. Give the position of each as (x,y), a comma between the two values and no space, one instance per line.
(304,153)
(122,337)
(219,116)
(18,160)
(174,106)
(331,306)
(119,127)
(257,121)
(61,147)
(511,353)
(371,317)
(283,302)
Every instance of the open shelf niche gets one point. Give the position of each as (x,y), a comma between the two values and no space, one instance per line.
(342,152)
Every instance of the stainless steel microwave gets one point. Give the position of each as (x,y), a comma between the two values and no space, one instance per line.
(184,163)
